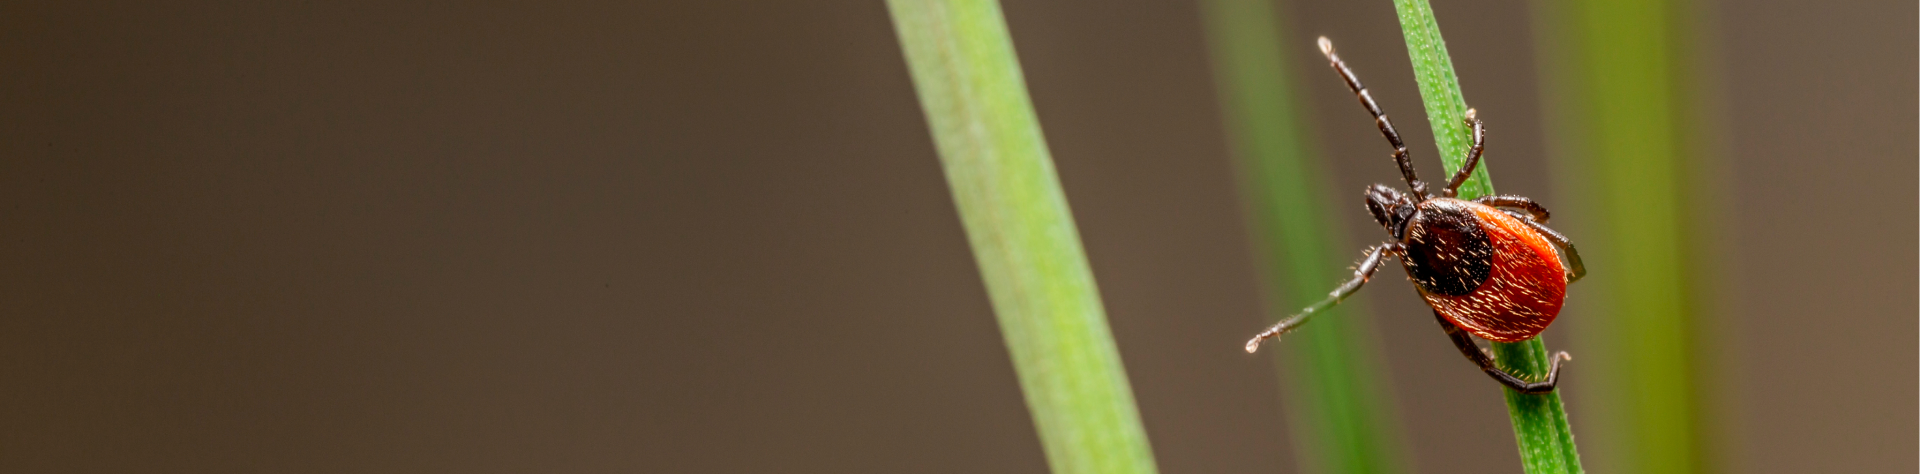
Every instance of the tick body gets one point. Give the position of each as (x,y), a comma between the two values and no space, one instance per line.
(1484,270)
(1488,267)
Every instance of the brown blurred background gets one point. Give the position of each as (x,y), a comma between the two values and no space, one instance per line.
(713,237)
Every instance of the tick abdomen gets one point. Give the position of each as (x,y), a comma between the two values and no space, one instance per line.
(1484,270)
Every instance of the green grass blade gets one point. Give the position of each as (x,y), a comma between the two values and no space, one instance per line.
(1617,69)
(1022,234)
(1539,421)
(1341,419)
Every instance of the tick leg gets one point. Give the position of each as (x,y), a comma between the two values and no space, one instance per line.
(1575,269)
(1465,342)
(1375,257)
(1473,155)
(1379,119)
(1509,201)
(1536,217)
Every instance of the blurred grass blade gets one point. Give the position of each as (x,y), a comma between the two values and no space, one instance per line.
(1539,421)
(1616,67)
(1022,234)
(1342,421)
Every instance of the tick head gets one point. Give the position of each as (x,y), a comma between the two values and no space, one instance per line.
(1390,208)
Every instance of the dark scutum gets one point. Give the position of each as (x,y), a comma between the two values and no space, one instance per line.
(1447,252)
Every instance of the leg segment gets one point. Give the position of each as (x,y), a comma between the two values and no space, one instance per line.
(1575,269)
(1375,257)
(1379,119)
(1473,155)
(1467,347)
(1509,201)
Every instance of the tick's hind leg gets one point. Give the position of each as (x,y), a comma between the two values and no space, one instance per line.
(1473,352)
(1535,216)
(1575,268)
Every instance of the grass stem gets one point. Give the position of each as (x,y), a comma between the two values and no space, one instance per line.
(1022,233)
(1539,421)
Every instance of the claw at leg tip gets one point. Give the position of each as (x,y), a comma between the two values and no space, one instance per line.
(1253,345)
(1326,45)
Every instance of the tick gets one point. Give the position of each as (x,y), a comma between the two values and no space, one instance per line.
(1489,267)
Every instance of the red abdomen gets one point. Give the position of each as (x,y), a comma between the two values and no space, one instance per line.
(1522,293)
